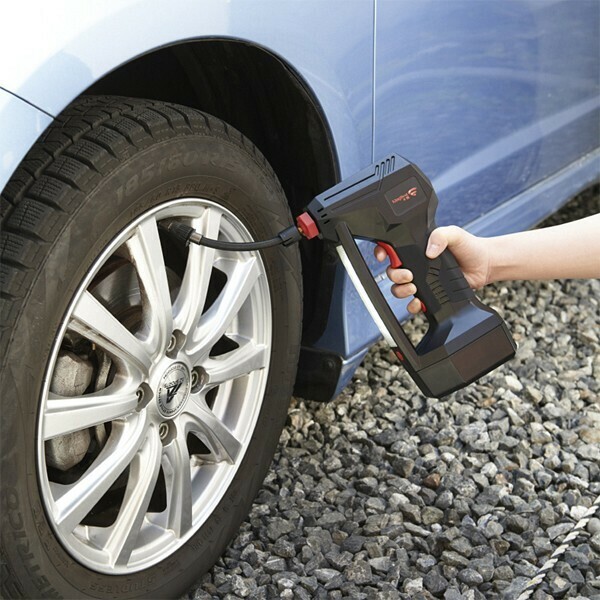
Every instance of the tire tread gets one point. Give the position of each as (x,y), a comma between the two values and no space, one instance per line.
(68,158)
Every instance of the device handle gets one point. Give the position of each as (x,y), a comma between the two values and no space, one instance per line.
(437,280)
(440,282)
(465,339)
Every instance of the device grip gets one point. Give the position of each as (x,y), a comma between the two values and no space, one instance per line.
(440,282)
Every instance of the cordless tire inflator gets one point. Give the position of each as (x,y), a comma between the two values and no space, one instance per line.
(393,204)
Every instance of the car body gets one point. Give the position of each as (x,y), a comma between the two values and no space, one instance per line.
(488,100)
(497,102)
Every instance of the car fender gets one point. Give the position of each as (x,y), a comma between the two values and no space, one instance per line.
(60,49)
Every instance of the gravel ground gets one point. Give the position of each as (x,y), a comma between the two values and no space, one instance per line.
(383,493)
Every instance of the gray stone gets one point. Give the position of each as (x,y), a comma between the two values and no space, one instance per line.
(453,594)
(558,585)
(339,560)
(380,564)
(359,572)
(454,559)
(462,546)
(403,466)
(279,527)
(243,587)
(547,517)
(541,545)
(325,575)
(430,515)
(539,434)
(274,564)
(311,583)
(470,577)
(411,511)
(353,543)
(284,549)
(515,587)
(484,566)
(512,383)
(557,530)
(424,563)
(517,523)
(474,432)
(366,485)
(331,520)
(504,572)
(593,525)
(435,582)
(444,499)
(285,581)
(413,586)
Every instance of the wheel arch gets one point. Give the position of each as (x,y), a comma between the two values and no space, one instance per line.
(262,96)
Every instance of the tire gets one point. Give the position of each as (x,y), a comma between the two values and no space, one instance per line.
(145,384)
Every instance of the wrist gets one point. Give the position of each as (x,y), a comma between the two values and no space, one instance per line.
(493,252)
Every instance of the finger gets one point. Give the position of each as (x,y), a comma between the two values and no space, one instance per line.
(380,253)
(400,275)
(414,306)
(404,290)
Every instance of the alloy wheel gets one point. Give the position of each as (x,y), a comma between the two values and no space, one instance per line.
(153,390)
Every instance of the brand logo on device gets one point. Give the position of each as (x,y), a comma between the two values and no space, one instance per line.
(404,197)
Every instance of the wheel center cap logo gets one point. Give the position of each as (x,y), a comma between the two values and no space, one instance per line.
(174,389)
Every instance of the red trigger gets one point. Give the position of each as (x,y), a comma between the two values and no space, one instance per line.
(395,261)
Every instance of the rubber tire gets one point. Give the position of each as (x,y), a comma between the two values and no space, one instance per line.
(103,162)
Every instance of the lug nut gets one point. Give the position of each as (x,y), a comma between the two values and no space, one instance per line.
(163,430)
(172,344)
(199,378)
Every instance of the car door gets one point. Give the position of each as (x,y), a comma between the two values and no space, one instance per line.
(488,98)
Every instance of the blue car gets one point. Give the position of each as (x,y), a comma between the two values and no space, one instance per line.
(145,383)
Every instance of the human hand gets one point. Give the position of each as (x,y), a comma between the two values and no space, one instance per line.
(471,253)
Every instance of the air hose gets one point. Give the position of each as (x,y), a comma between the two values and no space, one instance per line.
(186,234)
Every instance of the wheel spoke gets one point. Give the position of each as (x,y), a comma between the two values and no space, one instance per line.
(94,322)
(73,502)
(143,473)
(147,257)
(212,431)
(215,321)
(64,415)
(194,286)
(178,477)
(241,361)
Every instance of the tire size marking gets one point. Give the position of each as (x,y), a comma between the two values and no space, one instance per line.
(122,588)
(150,171)
(15,520)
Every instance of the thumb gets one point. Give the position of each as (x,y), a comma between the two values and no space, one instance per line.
(441,238)
(437,243)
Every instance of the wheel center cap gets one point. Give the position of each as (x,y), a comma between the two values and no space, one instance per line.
(173,390)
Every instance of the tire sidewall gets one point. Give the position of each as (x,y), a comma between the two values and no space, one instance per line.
(185,167)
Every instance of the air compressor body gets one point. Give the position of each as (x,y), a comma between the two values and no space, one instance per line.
(394,204)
